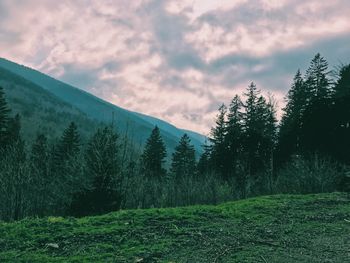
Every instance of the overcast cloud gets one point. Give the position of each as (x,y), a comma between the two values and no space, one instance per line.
(177,60)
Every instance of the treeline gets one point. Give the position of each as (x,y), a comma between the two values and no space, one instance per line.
(249,153)
(69,176)
(308,151)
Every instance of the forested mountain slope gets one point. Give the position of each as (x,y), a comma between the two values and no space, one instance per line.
(137,125)
(41,111)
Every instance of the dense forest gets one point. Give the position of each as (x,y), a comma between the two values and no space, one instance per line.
(248,153)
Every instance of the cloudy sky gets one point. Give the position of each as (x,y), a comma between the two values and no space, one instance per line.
(174,59)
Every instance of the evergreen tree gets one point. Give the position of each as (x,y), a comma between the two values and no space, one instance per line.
(218,151)
(203,166)
(291,122)
(259,131)
(153,155)
(152,160)
(103,168)
(317,81)
(269,141)
(4,111)
(183,168)
(233,138)
(316,119)
(69,144)
(183,160)
(252,129)
(339,134)
(342,87)
(67,169)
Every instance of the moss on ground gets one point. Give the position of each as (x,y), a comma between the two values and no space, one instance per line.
(281,228)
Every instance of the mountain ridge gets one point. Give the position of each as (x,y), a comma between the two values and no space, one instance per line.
(138,124)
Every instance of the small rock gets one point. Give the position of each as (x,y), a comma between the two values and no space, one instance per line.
(52,245)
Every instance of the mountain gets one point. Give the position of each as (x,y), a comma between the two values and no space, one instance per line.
(91,108)
(40,110)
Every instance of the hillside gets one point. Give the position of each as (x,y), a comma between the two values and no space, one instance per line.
(282,228)
(41,111)
(137,125)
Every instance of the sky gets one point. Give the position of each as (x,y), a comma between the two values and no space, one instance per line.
(177,60)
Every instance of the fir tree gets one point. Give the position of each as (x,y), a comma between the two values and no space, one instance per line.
(269,142)
(153,155)
(259,131)
(104,170)
(183,160)
(203,166)
(315,117)
(339,135)
(70,141)
(67,169)
(317,81)
(218,153)
(233,138)
(342,87)
(291,122)
(252,128)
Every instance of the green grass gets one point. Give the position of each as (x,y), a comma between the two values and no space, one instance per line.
(282,228)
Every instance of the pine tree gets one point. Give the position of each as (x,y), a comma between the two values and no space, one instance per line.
(291,123)
(317,81)
(269,141)
(183,160)
(203,166)
(315,119)
(342,87)
(67,169)
(69,144)
(4,111)
(259,131)
(103,168)
(339,136)
(218,151)
(183,168)
(154,175)
(153,155)
(252,129)
(233,138)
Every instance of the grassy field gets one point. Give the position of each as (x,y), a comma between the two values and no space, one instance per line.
(282,228)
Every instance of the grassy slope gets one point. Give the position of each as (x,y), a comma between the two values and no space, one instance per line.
(311,228)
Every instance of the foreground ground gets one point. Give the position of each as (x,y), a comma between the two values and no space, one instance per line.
(284,228)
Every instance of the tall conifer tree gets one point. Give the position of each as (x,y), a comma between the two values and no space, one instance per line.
(183,160)
(104,170)
(234,135)
(218,151)
(153,155)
